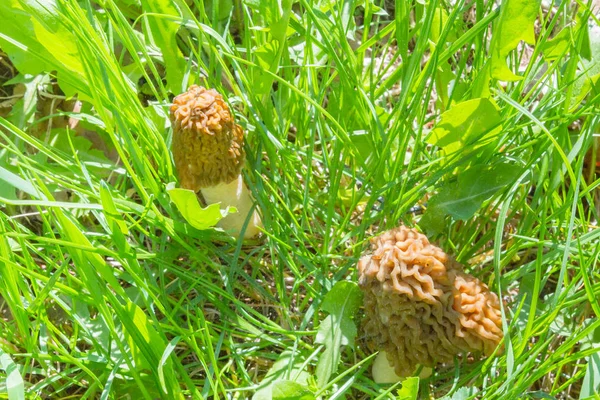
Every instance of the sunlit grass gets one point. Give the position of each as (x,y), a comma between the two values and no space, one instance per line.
(106,291)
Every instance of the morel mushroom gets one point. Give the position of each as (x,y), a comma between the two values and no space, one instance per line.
(420,309)
(209,155)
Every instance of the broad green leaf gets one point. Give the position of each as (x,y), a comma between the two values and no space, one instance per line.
(438,23)
(14,382)
(477,184)
(269,54)
(222,8)
(6,191)
(114,218)
(443,77)
(23,112)
(290,390)
(588,79)
(363,140)
(591,381)
(189,207)
(17,38)
(346,17)
(265,57)
(462,198)
(584,47)
(287,368)
(19,183)
(338,329)
(163,32)
(433,220)
(515,24)
(279,28)
(481,83)
(526,288)
(558,45)
(410,389)
(62,139)
(37,40)
(463,393)
(466,124)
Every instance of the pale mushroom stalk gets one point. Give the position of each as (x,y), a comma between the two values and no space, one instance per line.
(234,194)
(384,372)
(209,156)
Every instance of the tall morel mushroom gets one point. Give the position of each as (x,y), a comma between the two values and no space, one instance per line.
(209,155)
(420,309)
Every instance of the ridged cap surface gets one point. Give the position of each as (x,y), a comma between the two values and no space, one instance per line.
(207,143)
(419,307)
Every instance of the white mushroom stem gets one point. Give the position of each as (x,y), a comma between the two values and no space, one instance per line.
(234,194)
(383,371)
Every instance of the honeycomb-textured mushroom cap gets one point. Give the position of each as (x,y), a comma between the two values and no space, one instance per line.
(207,143)
(419,307)
(479,313)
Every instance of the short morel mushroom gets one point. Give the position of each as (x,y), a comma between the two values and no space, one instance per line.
(209,155)
(420,308)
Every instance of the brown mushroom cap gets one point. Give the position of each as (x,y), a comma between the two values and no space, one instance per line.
(207,143)
(479,313)
(419,307)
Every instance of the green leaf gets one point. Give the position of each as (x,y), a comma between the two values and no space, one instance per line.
(41,43)
(117,224)
(466,123)
(589,78)
(89,264)
(7,191)
(584,47)
(290,390)
(148,347)
(279,27)
(163,32)
(363,140)
(189,207)
(515,24)
(166,365)
(410,389)
(222,8)
(14,382)
(268,55)
(591,381)
(63,138)
(477,184)
(23,112)
(463,393)
(481,83)
(556,47)
(338,329)
(443,78)
(266,58)
(539,394)
(288,368)
(19,183)
(438,23)
(462,198)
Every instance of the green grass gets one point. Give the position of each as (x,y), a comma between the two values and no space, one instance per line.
(107,292)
